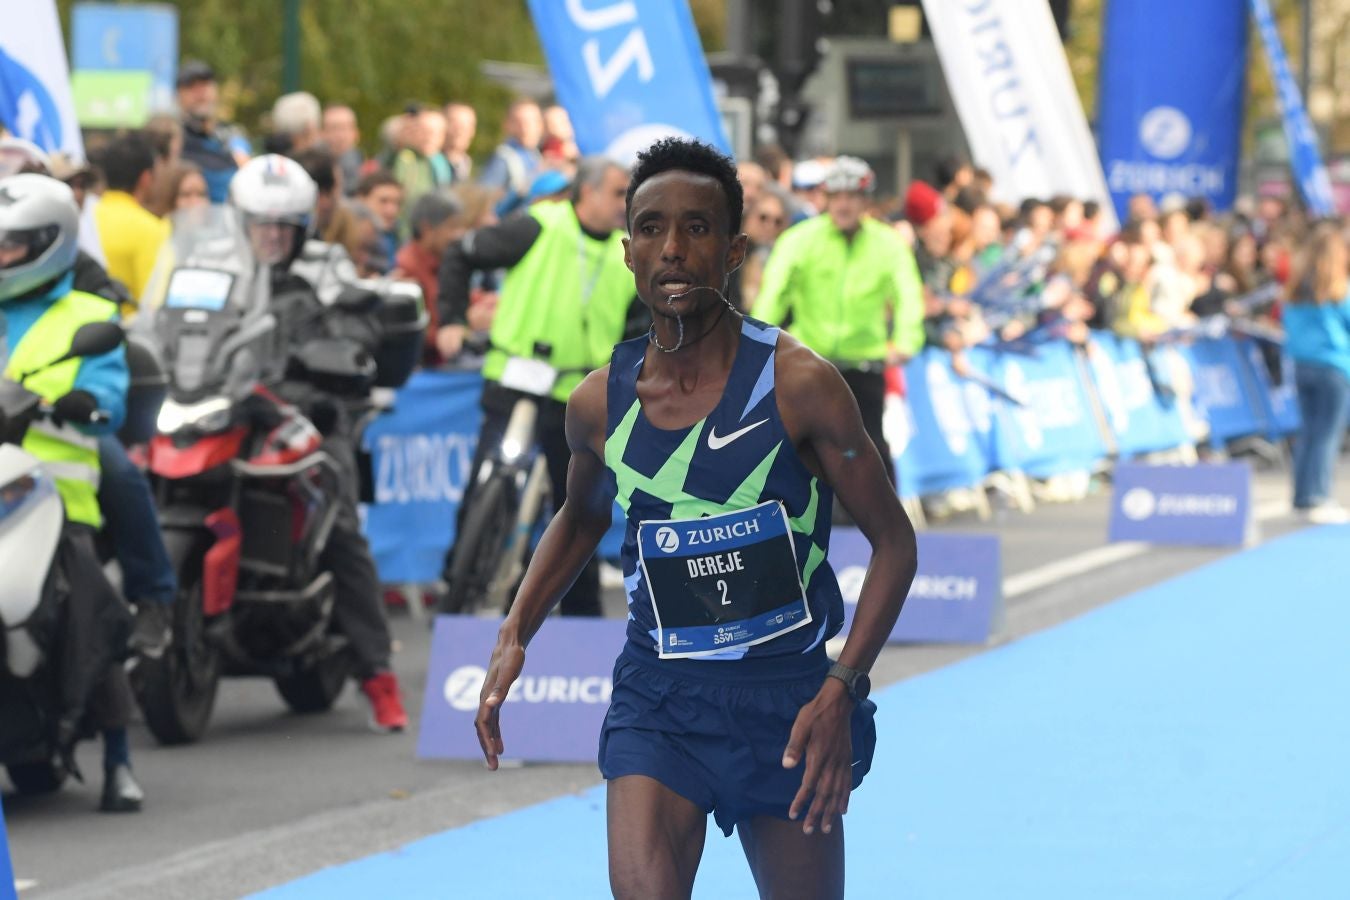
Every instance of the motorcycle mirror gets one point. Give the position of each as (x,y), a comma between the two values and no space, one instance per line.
(90,339)
(95,339)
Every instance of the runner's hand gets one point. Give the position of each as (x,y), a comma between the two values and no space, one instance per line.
(503,670)
(821,733)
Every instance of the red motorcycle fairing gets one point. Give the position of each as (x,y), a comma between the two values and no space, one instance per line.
(211,450)
(291,441)
(220,567)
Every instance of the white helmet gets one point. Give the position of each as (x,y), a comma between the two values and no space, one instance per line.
(275,190)
(39,233)
(15,153)
(848,173)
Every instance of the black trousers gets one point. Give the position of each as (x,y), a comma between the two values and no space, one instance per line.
(358,604)
(869,389)
(583,597)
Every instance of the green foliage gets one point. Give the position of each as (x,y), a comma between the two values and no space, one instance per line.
(375,55)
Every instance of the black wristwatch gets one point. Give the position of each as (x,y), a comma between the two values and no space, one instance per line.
(858,684)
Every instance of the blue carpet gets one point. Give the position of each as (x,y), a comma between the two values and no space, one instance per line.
(1189,741)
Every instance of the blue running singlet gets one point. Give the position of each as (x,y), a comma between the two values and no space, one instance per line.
(737,466)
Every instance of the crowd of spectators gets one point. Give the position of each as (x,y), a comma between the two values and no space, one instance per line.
(991,271)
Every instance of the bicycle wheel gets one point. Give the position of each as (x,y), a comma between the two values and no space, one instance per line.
(479,547)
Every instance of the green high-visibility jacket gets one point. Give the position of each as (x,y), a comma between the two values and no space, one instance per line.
(841,293)
(570,291)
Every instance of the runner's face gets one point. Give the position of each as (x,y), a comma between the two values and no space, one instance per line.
(681,240)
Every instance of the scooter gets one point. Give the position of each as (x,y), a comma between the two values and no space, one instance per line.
(57,643)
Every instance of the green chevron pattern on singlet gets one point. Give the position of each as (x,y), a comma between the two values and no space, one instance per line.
(668,484)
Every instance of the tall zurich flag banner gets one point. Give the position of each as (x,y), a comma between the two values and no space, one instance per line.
(35,100)
(1009,78)
(1304,157)
(628,73)
(1172,129)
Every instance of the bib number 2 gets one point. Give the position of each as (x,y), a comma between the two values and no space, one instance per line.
(722,582)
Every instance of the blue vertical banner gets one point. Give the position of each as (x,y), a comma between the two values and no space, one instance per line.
(628,73)
(7,891)
(1172,128)
(1304,157)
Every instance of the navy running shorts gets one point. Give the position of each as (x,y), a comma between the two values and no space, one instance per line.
(714,732)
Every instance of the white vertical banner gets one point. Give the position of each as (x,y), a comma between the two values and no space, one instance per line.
(1009,78)
(35,99)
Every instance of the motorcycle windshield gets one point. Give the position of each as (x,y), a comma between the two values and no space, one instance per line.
(206,263)
(207,306)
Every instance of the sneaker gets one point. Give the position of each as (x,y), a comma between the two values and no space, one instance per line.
(1328,512)
(386,707)
(121,793)
(153,630)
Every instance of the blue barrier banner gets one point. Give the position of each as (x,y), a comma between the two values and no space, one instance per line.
(1204,505)
(1140,419)
(1224,391)
(957,594)
(628,73)
(552,713)
(1172,129)
(7,891)
(1305,158)
(422,453)
(1053,431)
(952,419)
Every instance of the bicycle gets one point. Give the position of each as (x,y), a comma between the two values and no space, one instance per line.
(506,503)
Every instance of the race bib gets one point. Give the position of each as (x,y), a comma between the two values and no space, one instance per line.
(722,581)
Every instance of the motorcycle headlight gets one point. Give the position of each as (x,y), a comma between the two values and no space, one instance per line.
(206,416)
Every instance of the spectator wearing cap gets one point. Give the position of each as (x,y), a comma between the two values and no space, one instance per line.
(131,235)
(808,192)
(436,223)
(218,150)
(341,134)
(461,125)
(851,288)
(516,161)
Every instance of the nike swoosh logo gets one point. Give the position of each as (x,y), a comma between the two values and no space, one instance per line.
(717,443)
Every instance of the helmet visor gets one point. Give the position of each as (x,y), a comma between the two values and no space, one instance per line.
(20,246)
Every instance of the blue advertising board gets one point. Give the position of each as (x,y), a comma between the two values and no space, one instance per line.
(1052,429)
(1172,129)
(422,452)
(1205,505)
(957,594)
(552,713)
(128,37)
(628,73)
(951,422)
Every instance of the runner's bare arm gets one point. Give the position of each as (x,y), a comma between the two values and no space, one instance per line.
(822,418)
(567,545)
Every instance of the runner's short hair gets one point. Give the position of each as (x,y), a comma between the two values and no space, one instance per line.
(688,155)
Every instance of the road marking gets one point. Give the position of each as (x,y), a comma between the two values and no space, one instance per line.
(1097,557)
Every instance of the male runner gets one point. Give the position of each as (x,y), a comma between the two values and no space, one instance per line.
(723,439)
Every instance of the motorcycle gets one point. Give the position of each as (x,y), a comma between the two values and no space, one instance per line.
(57,642)
(247,496)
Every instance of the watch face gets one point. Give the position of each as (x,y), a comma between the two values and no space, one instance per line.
(862,686)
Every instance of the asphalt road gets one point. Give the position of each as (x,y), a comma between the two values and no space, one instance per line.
(268,796)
